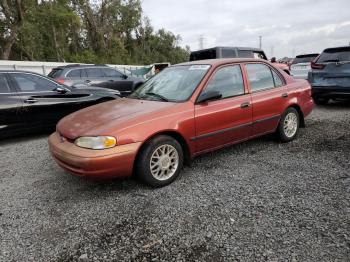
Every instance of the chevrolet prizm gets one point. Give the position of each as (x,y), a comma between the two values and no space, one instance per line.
(186,110)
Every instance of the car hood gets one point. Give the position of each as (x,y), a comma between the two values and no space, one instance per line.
(98,119)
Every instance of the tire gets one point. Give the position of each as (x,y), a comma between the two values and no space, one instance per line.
(289,125)
(321,101)
(160,161)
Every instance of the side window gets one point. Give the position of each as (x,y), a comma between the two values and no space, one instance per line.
(32,83)
(276,78)
(228,81)
(109,72)
(260,77)
(94,72)
(75,73)
(4,86)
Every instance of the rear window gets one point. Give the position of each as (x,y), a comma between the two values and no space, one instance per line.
(56,72)
(203,55)
(335,55)
(304,59)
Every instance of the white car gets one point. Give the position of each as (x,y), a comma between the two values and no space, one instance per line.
(302,65)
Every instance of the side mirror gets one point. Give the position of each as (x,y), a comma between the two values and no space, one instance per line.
(124,76)
(209,95)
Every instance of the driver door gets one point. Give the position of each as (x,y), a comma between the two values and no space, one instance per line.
(226,120)
(42,105)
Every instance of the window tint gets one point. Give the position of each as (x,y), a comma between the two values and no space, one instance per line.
(228,53)
(4,87)
(109,72)
(33,83)
(259,76)
(94,72)
(202,55)
(245,53)
(276,78)
(335,55)
(228,81)
(75,73)
(304,59)
(56,72)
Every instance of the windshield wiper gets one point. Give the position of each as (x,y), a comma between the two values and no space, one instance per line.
(158,95)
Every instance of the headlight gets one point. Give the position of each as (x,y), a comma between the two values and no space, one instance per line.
(97,142)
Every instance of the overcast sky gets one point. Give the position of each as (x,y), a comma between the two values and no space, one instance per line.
(287,27)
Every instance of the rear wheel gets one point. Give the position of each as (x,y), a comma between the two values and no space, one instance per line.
(289,125)
(160,161)
(321,101)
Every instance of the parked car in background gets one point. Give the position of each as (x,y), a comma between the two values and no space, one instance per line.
(330,75)
(184,111)
(32,102)
(301,65)
(96,75)
(233,52)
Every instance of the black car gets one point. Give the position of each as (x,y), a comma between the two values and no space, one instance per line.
(96,75)
(30,102)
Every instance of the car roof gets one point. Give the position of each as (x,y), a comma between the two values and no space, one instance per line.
(79,66)
(339,48)
(20,71)
(229,47)
(222,61)
(306,55)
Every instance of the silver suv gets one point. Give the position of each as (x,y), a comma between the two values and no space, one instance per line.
(96,75)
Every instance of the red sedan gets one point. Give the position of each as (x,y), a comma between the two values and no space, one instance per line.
(186,110)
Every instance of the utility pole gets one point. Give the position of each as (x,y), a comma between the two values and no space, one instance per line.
(260,41)
(201,42)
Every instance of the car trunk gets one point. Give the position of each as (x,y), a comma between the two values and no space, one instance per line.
(333,74)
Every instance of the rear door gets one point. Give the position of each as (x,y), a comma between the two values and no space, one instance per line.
(117,81)
(10,107)
(269,96)
(226,120)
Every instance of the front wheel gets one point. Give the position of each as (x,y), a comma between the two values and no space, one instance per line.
(160,161)
(289,125)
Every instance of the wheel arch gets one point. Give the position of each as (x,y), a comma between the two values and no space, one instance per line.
(175,135)
(301,114)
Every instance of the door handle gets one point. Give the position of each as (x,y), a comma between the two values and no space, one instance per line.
(245,105)
(30,101)
(285,95)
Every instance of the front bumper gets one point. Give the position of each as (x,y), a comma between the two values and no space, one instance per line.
(331,92)
(99,164)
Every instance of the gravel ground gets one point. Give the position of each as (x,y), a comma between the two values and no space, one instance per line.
(260,200)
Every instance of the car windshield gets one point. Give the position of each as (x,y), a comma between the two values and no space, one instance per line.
(174,84)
